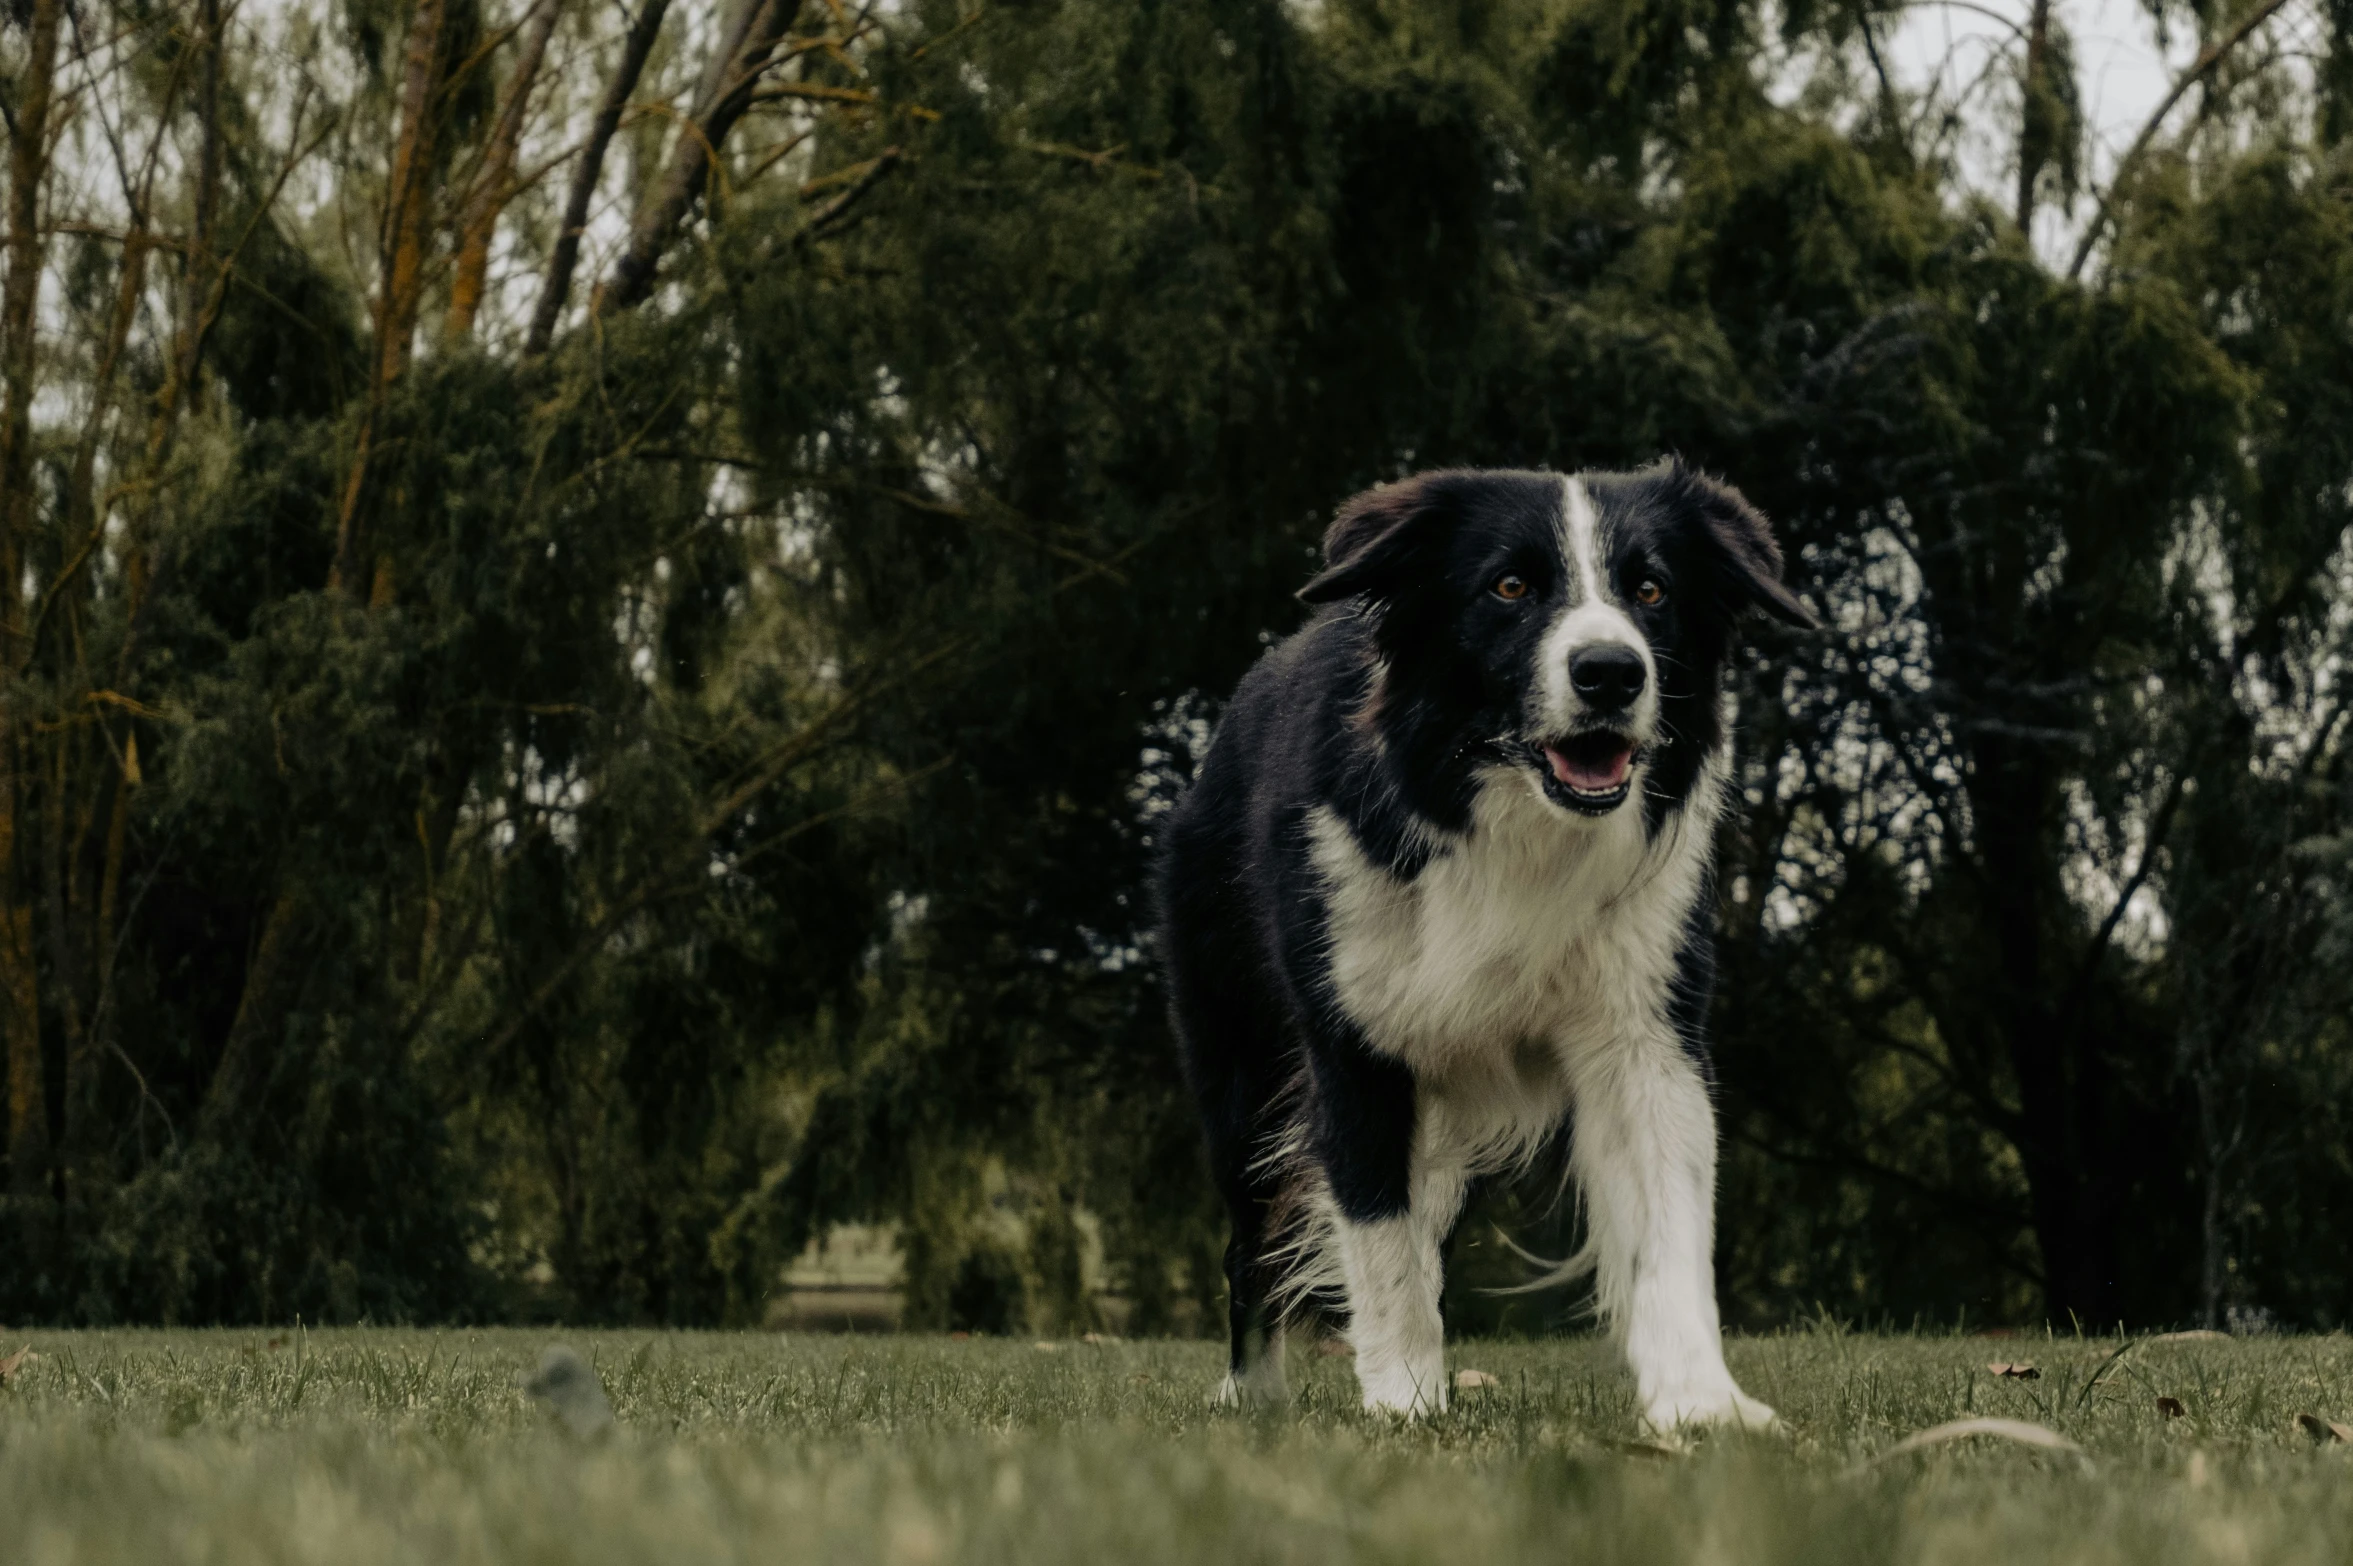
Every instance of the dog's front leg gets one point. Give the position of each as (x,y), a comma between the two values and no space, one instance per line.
(1644,1152)
(1394,1269)
(1389,1218)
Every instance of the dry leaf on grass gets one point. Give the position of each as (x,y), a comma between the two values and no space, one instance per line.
(2015,1372)
(2017,1430)
(1473,1380)
(2197,1335)
(1099,1338)
(2326,1431)
(1647,1449)
(1044,1347)
(2170,1408)
(16,1362)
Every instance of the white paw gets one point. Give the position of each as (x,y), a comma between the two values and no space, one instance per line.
(1404,1394)
(1724,1404)
(1259,1388)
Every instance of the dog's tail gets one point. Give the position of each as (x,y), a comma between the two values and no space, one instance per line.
(1550,1274)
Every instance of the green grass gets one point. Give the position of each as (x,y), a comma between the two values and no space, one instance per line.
(353,1447)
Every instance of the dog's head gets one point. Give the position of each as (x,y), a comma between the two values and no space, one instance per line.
(1573,625)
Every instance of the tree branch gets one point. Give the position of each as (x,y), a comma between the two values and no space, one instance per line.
(763,773)
(495,184)
(838,208)
(566,255)
(2160,825)
(727,93)
(771,765)
(406,233)
(2208,58)
(1887,97)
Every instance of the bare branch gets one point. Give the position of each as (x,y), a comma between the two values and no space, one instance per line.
(1887,97)
(727,92)
(813,92)
(566,256)
(834,211)
(2208,58)
(20,982)
(2152,841)
(1988,12)
(494,186)
(812,738)
(401,253)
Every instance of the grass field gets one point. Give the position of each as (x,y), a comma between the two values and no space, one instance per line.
(354,1447)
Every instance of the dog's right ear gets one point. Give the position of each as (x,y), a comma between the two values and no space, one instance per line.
(1380,539)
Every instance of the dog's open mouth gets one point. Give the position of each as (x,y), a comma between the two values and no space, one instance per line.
(1591,772)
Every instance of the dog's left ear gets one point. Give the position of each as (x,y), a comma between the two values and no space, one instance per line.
(1378,540)
(1747,554)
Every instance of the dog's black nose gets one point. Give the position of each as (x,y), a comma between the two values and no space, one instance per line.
(1609,676)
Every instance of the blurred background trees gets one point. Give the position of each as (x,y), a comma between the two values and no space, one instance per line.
(602,600)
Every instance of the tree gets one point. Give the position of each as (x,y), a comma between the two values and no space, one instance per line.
(605,600)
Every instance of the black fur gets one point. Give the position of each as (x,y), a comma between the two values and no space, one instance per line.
(1406,689)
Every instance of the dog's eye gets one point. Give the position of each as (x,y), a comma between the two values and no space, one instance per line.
(1510,585)
(1649,593)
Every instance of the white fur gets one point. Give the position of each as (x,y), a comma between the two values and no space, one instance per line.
(1525,973)
(1644,1156)
(1393,1274)
(1580,535)
(1262,1384)
(1590,614)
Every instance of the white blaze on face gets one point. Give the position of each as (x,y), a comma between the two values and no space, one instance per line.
(1590,614)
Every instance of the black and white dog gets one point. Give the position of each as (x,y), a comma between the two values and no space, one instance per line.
(1443,883)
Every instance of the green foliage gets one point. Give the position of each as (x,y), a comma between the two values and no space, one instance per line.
(725,811)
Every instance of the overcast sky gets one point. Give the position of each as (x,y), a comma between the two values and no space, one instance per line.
(2124,76)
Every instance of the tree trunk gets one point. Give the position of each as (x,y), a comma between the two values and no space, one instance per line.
(726,94)
(2061,1072)
(29,1138)
(566,256)
(80,938)
(208,181)
(2214,1245)
(85,773)
(406,234)
(260,1010)
(494,186)
(65,823)
(202,285)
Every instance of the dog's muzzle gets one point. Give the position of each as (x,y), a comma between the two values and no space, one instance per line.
(1591,772)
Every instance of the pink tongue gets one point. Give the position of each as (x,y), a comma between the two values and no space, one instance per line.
(1592,776)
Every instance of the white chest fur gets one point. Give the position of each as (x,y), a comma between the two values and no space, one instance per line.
(1533,938)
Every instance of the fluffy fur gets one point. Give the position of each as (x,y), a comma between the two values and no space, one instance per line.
(1443,886)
